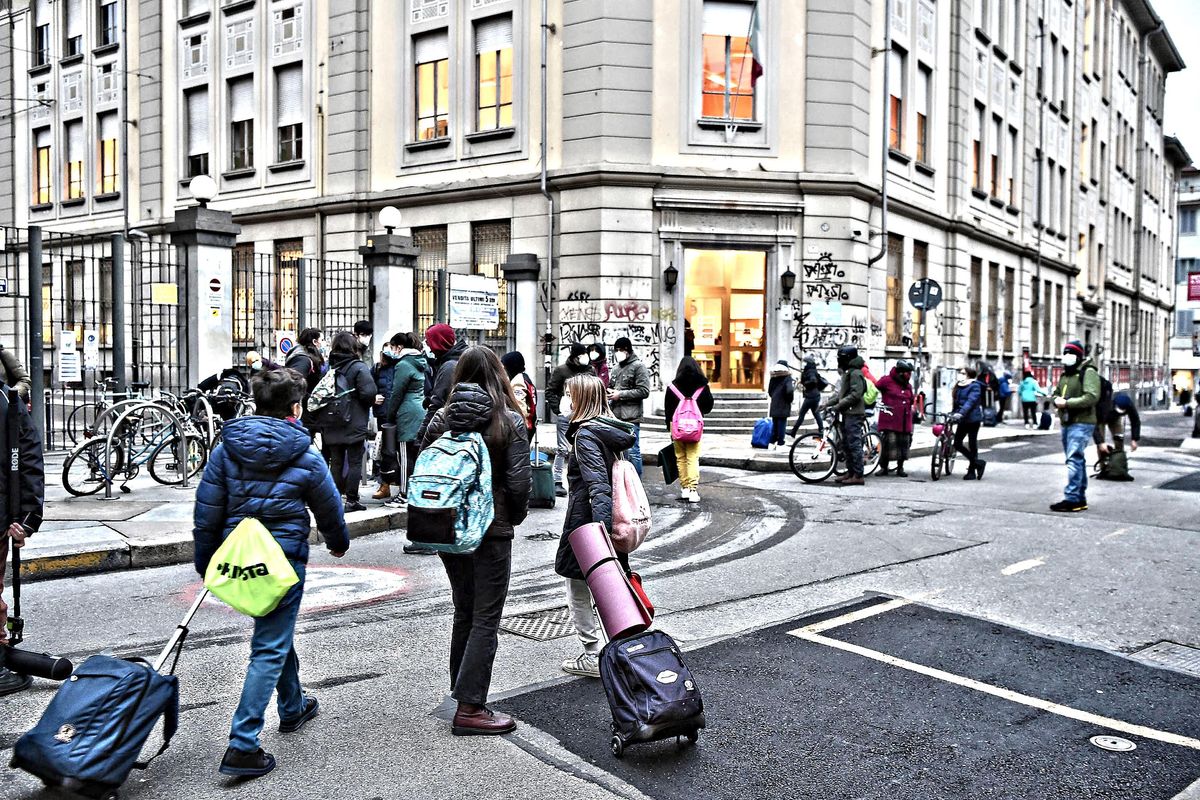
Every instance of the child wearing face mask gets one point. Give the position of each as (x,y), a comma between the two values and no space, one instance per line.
(599,361)
(1075,397)
(578,363)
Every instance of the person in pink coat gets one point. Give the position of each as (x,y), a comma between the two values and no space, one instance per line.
(895,423)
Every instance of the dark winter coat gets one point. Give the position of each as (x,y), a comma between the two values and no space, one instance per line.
(600,365)
(470,409)
(851,389)
(267,468)
(968,401)
(382,374)
(811,380)
(564,371)
(782,391)
(13,373)
(308,362)
(31,477)
(354,374)
(438,383)
(687,384)
(631,380)
(897,399)
(595,445)
(1121,405)
(405,406)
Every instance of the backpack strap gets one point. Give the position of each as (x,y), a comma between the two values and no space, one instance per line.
(696,394)
(674,391)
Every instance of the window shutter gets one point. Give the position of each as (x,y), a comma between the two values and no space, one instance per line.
(75,141)
(896,74)
(492,34)
(74,18)
(432,47)
(289,95)
(42,138)
(241,100)
(727,18)
(41,12)
(197,120)
(108,127)
(922,98)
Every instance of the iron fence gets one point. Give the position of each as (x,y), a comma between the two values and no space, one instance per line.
(429,297)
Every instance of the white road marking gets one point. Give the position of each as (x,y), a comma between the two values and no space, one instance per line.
(1021,566)
(1114,534)
(1004,694)
(855,616)
(1006,445)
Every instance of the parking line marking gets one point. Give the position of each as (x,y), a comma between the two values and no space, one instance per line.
(1021,566)
(855,616)
(1114,534)
(1004,694)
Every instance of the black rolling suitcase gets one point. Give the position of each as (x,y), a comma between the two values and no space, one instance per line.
(651,692)
(542,491)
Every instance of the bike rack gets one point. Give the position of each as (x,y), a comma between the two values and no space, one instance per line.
(177,425)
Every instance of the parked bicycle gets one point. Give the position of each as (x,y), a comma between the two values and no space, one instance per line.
(815,456)
(943,447)
(83,420)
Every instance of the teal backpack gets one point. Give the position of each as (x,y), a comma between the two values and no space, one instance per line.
(450,503)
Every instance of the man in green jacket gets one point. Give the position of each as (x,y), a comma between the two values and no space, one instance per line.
(1075,397)
(851,389)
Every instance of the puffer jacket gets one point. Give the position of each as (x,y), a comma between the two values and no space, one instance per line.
(470,410)
(267,468)
(968,399)
(438,383)
(31,476)
(1081,388)
(382,373)
(355,374)
(405,406)
(851,389)
(811,380)
(1030,391)
(631,381)
(13,373)
(896,411)
(595,445)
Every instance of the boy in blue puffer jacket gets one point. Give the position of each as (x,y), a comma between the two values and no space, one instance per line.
(267,468)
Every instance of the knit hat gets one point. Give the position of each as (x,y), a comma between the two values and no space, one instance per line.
(514,363)
(623,344)
(578,350)
(440,337)
(904,365)
(1074,346)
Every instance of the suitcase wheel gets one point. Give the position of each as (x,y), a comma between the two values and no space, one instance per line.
(617,746)
(693,737)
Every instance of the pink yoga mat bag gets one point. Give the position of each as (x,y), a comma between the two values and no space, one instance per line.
(621,610)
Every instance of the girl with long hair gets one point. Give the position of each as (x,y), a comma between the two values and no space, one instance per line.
(689,380)
(344,443)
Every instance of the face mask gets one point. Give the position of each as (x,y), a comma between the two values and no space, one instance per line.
(325,350)
(1069,359)
(582,361)
(621,356)
(364,340)
(594,356)
(425,349)
(256,366)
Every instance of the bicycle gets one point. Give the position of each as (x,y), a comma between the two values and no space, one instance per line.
(84,419)
(943,447)
(813,457)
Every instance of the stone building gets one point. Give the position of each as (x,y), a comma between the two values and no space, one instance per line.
(712,167)
(1185,343)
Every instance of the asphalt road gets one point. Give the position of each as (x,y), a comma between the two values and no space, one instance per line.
(730,577)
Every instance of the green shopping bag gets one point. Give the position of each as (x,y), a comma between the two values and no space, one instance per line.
(249,571)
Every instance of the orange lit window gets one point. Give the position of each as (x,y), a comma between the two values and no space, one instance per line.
(41,192)
(726,89)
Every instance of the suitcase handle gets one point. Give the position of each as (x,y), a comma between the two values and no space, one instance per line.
(175,643)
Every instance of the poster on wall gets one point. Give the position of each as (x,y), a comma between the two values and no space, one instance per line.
(1194,286)
(474,302)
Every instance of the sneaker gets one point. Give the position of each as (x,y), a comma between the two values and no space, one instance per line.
(354,505)
(397,502)
(685,495)
(560,491)
(1028,426)
(419,550)
(585,664)
(310,710)
(693,496)
(1069,506)
(247,765)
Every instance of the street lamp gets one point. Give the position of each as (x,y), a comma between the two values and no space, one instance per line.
(670,277)
(389,218)
(788,281)
(203,188)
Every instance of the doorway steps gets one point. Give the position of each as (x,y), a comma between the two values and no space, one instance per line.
(734,412)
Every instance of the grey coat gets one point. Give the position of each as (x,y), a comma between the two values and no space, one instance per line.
(631,380)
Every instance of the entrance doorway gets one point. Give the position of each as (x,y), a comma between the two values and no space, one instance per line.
(725,308)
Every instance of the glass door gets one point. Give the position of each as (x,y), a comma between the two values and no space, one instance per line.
(725,313)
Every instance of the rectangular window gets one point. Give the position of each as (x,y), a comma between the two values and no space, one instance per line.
(1065,70)
(977,147)
(289,113)
(241,124)
(288,253)
(198,146)
(428,283)
(41,167)
(493,73)
(1184,320)
(924,92)
(1058,313)
(1047,316)
(1187,221)
(976,294)
(897,61)
(1085,153)
(1010,303)
(994,141)
(431,54)
(1054,78)
(193,7)
(108,126)
(993,308)
(1064,201)
(41,45)
(74,28)
(1010,169)
(108,24)
(920,271)
(74,167)
(727,78)
(895,290)
(244,260)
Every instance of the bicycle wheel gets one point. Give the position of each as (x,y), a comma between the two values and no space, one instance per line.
(935,463)
(872,449)
(84,471)
(948,457)
(164,461)
(812,457)
(81,423)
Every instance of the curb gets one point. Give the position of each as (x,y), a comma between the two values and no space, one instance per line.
(116,556)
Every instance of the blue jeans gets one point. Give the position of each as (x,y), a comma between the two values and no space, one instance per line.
(1075,441)
(635,453)
(274,666)
(562,446)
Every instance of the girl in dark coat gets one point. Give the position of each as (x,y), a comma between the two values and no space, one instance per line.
(688,379)
(896,416)
(782,391)
(344,444)
(968,414)
(482,401)
(308,358)
(596,439)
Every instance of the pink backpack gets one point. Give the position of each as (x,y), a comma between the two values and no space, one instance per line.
(630,508)
(687,424)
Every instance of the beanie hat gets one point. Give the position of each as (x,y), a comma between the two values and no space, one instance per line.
(1074,346)
(623,344)
(904,365)
(578,350)
(514,363)
(440,337)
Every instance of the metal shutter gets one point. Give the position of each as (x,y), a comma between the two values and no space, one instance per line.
(431,47)
(108,127)
(241,100)
(494,33)
(197,122)
(289,95)
(74,18)
(726,18)
(74,141)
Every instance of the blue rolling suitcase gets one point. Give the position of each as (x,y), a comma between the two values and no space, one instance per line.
(761,437)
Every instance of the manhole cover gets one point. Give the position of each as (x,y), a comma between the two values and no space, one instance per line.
(541,626)
(1114,743)
(1175,656)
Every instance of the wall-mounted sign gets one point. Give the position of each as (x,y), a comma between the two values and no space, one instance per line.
(164,294)
(474,302)
(91,349)
(69,366)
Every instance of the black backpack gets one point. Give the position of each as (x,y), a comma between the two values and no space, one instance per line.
(1104,406)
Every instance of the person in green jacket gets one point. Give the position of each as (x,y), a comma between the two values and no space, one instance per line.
(405,406)
(1075,397)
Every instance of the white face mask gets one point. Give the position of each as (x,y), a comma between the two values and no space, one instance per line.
(621,356)
(594,356)
(583,360)
(365,341)
(1069,359)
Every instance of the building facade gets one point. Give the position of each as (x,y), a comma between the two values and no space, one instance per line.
(1185,342)
(713,168)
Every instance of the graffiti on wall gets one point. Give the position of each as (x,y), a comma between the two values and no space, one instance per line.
(650,330)
(821,326)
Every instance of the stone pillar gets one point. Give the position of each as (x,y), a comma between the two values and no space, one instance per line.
(391,260)
(205,239)
(522,271)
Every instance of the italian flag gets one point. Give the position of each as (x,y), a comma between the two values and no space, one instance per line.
(757,47)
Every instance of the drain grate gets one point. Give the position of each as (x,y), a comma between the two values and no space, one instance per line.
(1169,654)
(541,626)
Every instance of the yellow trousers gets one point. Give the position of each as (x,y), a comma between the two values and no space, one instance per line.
(687,455)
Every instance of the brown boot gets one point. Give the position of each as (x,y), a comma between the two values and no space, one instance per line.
(473,720)
(384,493)
(853,480)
